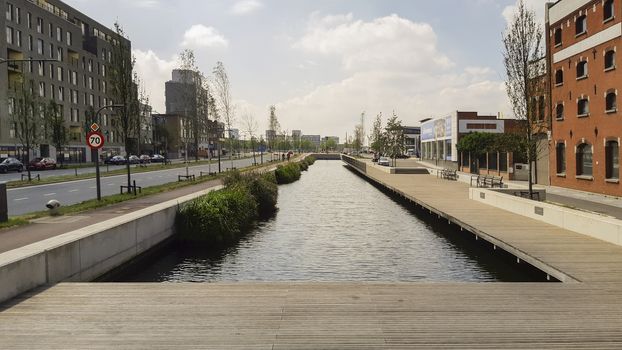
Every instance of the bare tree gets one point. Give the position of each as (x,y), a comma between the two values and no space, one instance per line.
(26,119)
(222,90)
(189,99)
(522,55)
(250,128)
(274,126)
(124,91)
(55,123)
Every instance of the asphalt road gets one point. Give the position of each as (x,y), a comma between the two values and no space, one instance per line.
(31,199)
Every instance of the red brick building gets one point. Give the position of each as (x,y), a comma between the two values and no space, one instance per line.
(582,37)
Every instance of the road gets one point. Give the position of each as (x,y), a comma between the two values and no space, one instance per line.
(31,199)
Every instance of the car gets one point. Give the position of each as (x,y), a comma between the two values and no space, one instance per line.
(156,158)
(145,159)
(115,160)
(134,159)
(40,163)
(383,161)
(11,164)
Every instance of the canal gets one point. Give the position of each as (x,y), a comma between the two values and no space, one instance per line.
(332,225)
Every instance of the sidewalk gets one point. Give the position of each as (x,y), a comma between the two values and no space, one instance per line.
(586,201)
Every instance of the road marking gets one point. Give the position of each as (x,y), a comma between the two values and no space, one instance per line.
(110,184)
(49,194)
(20,199)
(74,190)
(93,187)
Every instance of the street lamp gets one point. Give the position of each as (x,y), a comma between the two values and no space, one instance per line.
(95,152)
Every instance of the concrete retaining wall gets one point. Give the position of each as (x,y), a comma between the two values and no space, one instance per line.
(597,226)
(87,253)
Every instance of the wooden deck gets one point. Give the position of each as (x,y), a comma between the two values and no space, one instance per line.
(585,313)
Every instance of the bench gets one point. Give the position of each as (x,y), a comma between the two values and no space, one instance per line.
(448,174)
(32,176)
(487,181)
(132,188)
(185,177)
(525,194)
(206,173)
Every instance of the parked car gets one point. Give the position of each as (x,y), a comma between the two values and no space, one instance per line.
(145,159)
(42,164)
(156,158)
(383,161)
(115,160)
(10,164)
(134,159)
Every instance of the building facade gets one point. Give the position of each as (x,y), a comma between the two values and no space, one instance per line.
(315,140)
(582,41)
(412,140)
(76,80)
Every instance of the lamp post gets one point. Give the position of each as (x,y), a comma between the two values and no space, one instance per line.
(95,152)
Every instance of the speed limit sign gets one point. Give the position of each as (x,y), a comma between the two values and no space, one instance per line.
(95,140)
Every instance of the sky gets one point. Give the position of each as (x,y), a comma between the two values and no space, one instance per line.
(323,62)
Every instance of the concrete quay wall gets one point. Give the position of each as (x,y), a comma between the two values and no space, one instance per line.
(87,253)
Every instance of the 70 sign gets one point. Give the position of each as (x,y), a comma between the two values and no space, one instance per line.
(95,140)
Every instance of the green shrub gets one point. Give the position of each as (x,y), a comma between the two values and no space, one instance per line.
(310,160)
(217,218)
(288,173)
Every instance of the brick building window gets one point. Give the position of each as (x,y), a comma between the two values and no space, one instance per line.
(559,111)
(610,101)
(582,70)
(541,108)
(607,10)
(583,107)
(558,36)
(610,60)
(612,160)
(559,77)
(584,160)
(580,25)
(560,158)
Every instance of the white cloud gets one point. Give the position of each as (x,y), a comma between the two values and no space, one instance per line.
(146,3)
(537,6)
(245,7)
(154,72)
(387,41)
(391,64)
(200,36)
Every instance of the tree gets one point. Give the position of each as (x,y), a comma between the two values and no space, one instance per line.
(377,138)
(55,123)
(222,89)
(357,142)
(124,91)
(330,144)
(394,136)
(26,119)
(522,55)
(190,85)
(250,128)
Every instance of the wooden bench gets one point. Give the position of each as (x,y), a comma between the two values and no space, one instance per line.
(449,174)
(487,181)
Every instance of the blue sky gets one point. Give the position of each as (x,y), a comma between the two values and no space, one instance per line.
(323,62)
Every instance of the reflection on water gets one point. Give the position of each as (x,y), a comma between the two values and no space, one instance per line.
(332,225)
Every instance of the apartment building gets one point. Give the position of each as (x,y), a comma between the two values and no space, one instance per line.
(77,80)
(582,37)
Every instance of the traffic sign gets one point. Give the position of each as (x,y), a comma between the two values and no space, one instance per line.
(95,140)
(94,127)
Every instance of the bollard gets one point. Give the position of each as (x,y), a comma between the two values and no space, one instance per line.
(76,171)
(4,209)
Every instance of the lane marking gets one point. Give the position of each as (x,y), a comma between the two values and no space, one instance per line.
(49,194)
(20,199)
(74,190)
(93,187)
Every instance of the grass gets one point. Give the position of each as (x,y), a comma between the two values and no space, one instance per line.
(21,220)
(135,170)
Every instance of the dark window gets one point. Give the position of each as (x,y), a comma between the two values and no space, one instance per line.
(492,161)
(541,108)
(483,164)
(560,152)
(612,160)
(584,159)
(610,102)
(558,36)
(581,69)
(559,111)
(583,107)
(610,59)
(608,10)
(559,77)
(580,25)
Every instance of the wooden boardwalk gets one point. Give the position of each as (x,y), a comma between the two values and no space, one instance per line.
(585,313)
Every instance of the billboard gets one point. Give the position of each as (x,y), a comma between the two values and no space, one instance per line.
(437,129)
